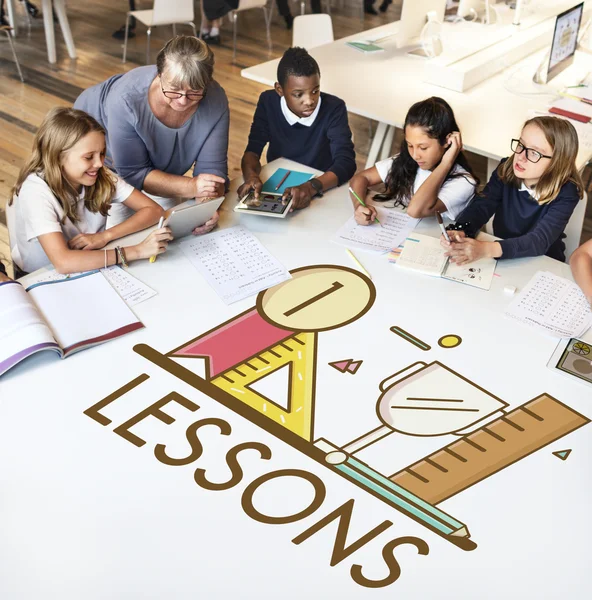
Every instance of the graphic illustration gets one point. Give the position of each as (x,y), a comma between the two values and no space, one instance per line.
(346,366)
(262,364)
(410,338)
(450,341)
(577,360)
(562,454)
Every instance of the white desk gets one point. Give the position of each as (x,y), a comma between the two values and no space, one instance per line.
(383,86)
(84,513)
(47,8)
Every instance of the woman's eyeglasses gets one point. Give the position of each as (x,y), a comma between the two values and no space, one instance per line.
(532,155)
(193,96)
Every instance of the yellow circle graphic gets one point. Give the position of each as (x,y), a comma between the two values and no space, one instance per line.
(450,341)
(317,298)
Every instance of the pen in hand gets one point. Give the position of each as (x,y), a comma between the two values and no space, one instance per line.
(441,223)
(160,222)
(362,203)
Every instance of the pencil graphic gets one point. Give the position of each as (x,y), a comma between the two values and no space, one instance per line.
(410,338)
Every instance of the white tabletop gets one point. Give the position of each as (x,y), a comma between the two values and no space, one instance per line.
(84,513)
(384,85)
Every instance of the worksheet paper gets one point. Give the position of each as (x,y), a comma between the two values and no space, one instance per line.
(234,262)
(130,288)
(553,305)
(395,225)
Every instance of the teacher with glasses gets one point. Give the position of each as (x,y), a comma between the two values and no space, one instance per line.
(162,120)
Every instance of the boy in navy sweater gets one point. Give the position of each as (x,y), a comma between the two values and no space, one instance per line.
(302,124)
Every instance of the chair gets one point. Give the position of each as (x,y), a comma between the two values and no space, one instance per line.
(7,30)
(164,12)
(247,5)
(312,30)
(573,231)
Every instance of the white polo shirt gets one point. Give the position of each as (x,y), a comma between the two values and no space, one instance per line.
(455,193)
(36,211)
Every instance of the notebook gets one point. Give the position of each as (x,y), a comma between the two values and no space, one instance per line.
(424,254)
(64,316)
(365,46)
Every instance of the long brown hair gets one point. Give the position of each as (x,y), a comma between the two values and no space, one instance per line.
(61,129)
(563,139)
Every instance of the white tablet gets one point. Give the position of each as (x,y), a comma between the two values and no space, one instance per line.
(269,205)
(183,219)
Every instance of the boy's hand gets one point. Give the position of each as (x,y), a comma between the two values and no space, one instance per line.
(253,184)
(301,195)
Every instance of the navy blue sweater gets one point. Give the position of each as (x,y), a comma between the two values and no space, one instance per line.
(527,228)
(326,145)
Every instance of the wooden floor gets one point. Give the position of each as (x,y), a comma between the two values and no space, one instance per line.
(23,106)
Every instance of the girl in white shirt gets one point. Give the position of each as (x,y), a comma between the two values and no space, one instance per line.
(62,198)
(430,174)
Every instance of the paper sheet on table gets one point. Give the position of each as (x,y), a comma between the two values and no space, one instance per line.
(553,305)
(396,226)
(234,262)
(130,288)
(479,273)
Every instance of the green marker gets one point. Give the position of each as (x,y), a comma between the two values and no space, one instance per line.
(363,203)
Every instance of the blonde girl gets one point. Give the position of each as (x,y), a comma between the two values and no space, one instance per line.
(62,198)
(531,196)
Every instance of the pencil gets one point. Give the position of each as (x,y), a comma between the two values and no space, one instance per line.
(358,263)
(279,185)
(441,223)
(153,258)
(362,203)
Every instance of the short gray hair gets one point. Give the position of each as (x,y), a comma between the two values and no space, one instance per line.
(188,60)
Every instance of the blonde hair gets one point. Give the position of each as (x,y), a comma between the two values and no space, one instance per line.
(61,129)
(563,139)
(188,61)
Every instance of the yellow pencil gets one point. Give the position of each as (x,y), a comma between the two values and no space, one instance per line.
(362,203)
(153,258)
(358,263)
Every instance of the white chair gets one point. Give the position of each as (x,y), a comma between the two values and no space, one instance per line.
(312,30)
(7,30)
(164,12)
(248,5)
(573,231)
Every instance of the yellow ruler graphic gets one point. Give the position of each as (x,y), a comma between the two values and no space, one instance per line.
(297,354)
(490,449)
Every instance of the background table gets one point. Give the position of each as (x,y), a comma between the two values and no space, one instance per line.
(86,514)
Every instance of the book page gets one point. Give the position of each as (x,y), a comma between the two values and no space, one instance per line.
(395,225)
(22,329)
(553,305)
(83,311)
(131,289)
(234,262)
(424,254)
(478,274)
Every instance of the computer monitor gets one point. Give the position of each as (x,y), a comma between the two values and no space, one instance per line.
(414,16)
(565,40)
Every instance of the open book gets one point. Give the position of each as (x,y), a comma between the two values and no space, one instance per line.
(425,254)
(64,316)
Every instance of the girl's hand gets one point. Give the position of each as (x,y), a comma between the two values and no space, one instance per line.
(156,243)
(455,236)
(208,226)
(89,241)
(365,215)
(454,141)
(467,250)
(253,184)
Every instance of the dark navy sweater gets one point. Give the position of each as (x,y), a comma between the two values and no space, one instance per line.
(326,145)
(527,228)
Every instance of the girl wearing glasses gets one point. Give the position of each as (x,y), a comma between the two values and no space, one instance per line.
(531,196)
(163,120)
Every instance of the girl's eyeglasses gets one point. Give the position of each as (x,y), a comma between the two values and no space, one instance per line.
(532,155)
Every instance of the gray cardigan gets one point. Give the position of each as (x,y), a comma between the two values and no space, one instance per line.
(137,142)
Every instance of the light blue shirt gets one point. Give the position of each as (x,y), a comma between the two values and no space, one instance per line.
(137,142)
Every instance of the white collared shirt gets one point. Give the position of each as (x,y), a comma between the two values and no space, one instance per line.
(293,119)
(532,192)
